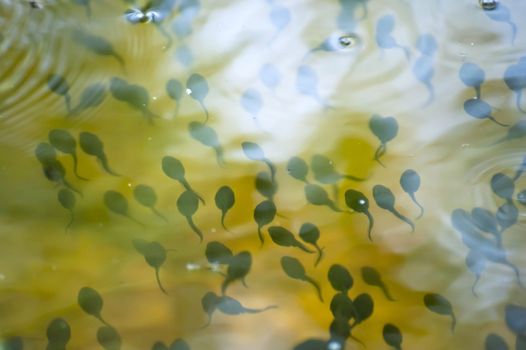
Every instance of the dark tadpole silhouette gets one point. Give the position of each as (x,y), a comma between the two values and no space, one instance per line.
(55,172)
(154,254)
(97,45)
(208,137)
(325,173)
(63,141)
(385,129)
(175,91)
(364,306)
(283,237)
(520,170)
(265,186)
(316,195)
(92,145)
(67,200)
(515,80)
(58,334)
(502,14)
(91,97)
(187,204)
(86,4)
(384,35)
(309,233)
(440,305)
(392,336)
(118,204)
(109,338)
(280,17)
(503,186)
(480,109)
(423,67)
(307,85)
(372,277)
(495,342)
(45,153)
(472,76)
(211,302)
(197,88)
(486,221)
(334,43)
(218,253)
(239,266)
(136,96)
(264,213)
(516,131)
(312,344)
(357,201)
(385,199)
(58,85)
(298,169)
(252,102)
(91,303)
(269,76)
(146,196)
(340,278)
(174,169)
(507,216)
(342,307)
(474,240)
(294,269)
(178,344)
(225,200)
(410,183)
(253,151)
(521,197)
(515,317)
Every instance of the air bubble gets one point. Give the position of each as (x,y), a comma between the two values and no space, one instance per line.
(347,40)
(488,5)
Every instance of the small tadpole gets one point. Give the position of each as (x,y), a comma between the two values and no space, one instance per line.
(35,5)
(347,40)
(488,5)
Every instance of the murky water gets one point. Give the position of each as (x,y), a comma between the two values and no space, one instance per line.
(382,140)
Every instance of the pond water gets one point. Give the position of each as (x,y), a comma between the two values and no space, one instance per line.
(270,174)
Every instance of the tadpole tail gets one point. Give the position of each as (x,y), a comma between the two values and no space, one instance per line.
(219,156)
(320,255)
(477,91)
(187,187)
(403,218)
(407,53)
(357,340)
(477,277)
(380,151)
(303,247)
(271,168)
(371,224)
(453,322)
(513,31)
(519,173)
(354,178)
(71,218)
(134,220)
(104,163)
(207,323)
(195,228)
(223,214)
(388,295)
(75,165)
(156,212)
(518,101)
(67,98)
(316,285)
(166,35)
(501,140)
(310,52)
(159,281)
(99,317)
(119,59)
(260,235)
(206,112)
(256,311)
(413,198)
(333,206)
(431,91)
(149,115)
(69,186)
(497,122)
